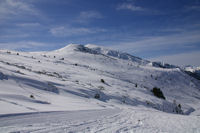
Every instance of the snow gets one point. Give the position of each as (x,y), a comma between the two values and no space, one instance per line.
(106,120)
(54,91)
(192,69)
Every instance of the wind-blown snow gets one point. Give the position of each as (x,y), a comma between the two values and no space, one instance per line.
(112,87)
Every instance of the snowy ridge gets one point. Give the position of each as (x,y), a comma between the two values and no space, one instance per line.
(95,80)
(193,71)
(117,54)
(94,49)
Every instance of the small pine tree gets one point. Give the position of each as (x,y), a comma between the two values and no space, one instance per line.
(102,80)
(31,96)
(158,93)
(97,96)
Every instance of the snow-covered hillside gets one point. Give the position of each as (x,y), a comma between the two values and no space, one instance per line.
(193,71)
(86,88)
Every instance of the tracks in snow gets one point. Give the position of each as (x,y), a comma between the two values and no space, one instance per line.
(107,120)
(100,121)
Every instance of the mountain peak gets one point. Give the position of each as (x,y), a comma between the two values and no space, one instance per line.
(70,47)
(99,50)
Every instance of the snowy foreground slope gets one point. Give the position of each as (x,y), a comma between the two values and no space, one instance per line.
(92,89)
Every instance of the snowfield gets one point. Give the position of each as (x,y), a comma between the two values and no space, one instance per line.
(106,120)
(86,88)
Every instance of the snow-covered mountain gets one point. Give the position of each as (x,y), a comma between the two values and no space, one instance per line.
(129,92)
(193,71)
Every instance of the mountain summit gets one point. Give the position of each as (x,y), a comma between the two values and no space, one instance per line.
(94,49)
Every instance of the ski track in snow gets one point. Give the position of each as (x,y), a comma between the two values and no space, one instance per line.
(98,121)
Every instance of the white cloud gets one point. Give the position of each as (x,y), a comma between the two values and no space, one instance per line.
(193,8)
(182,59)
(90,15)
(71,31)
(21,45)
(10,8)
(130,6)
(180,40)
(14,35)
(139,9)
(28,24)
(87,16)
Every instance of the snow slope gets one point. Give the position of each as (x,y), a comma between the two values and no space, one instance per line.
(193,71)
(66,82)
(135,120)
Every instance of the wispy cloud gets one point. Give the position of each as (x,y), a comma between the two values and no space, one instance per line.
(180,40)
(130,6)
(9,36)
(22,45)
(28,24)
(20,30)
(191,58)
(63,31)
(90,15)
(11,8)
(193,8)
(87,16)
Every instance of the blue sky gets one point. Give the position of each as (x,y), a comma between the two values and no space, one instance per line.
(166,30)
